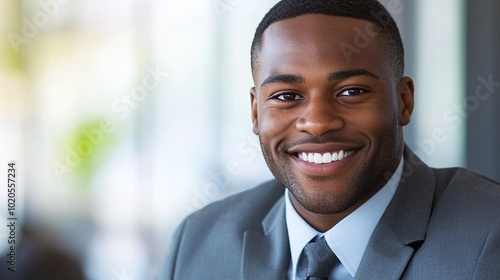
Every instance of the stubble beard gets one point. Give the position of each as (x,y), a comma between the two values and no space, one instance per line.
(370,176)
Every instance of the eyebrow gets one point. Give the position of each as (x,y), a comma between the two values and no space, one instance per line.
(343,75)
(332,77)
(284,78)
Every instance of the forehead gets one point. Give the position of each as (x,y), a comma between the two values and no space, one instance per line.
(315,41)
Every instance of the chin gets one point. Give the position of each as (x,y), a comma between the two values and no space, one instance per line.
(326,197)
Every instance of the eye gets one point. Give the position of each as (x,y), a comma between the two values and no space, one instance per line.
(287,96)
(352,92)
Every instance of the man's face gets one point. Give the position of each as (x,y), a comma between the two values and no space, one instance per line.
(329,124)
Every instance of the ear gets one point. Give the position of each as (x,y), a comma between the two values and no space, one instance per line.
(405,100)
(255,119)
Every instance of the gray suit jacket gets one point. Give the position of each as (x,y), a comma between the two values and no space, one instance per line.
(441,224)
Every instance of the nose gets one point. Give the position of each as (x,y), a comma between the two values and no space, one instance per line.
(319,115)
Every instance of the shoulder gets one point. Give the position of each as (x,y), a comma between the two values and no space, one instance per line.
(245,208)
(464,184)
(464,227)
(465,202)
(211,239)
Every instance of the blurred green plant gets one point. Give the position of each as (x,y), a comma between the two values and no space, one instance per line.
(9,58)
(89,146)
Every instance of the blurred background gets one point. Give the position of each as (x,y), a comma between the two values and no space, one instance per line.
(125,116)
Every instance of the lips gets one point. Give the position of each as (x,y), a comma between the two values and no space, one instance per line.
(324,158)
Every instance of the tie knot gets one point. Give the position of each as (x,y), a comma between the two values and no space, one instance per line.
(320,259)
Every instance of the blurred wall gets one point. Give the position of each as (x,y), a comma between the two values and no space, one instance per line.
(483,87)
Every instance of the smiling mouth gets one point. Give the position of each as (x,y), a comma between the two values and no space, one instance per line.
(324,158)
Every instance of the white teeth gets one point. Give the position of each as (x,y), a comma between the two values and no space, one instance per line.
(325,158)
(318,158)
(335,156)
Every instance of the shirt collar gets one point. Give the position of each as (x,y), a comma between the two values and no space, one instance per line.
(349,238)
(299,232)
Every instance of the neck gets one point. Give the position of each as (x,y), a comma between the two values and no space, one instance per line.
(324,222)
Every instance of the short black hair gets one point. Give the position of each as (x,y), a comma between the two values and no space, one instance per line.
(369,10)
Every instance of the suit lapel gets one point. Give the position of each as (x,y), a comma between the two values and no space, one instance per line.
(403,226)
(266,252)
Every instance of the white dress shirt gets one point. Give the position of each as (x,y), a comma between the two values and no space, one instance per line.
(347,239)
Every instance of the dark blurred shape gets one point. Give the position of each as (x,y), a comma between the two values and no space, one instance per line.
(39,258)
(483,87)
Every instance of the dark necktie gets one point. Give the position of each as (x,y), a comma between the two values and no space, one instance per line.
(320,259)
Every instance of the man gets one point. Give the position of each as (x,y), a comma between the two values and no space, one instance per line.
(351,201)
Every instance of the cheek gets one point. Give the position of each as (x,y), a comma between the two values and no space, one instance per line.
(375,121)
(386,120)
(274,126)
